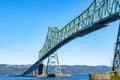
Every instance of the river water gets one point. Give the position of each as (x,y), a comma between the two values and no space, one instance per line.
(73,77)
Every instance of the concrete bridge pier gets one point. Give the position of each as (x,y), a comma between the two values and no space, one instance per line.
(41,69)
(37,71)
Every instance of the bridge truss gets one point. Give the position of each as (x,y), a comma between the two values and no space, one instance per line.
(98,15)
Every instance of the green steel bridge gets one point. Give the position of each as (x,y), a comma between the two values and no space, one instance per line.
(98,15)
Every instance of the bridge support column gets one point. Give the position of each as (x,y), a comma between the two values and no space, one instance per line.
(34,73)
(116,61)
(41,69)
(53,66)
(31,74)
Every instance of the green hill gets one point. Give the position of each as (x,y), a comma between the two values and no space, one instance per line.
(76,69)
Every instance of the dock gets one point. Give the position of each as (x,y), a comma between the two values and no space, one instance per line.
(106,76)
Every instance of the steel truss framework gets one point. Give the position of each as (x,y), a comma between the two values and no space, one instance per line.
(98,15)
(116,61)
(53,64)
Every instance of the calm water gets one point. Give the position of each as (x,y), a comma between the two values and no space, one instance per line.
(73,77)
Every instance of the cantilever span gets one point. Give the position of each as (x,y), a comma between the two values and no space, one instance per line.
(98,15)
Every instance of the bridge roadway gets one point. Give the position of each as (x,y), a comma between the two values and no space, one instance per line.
(98,15)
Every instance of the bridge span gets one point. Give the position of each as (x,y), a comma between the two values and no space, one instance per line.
(98,15)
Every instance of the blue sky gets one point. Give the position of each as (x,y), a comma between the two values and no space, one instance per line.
(24,25)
